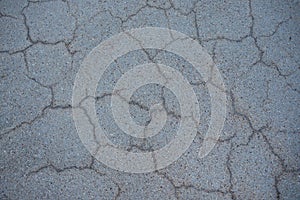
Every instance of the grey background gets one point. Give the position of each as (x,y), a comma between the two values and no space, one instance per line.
(254,44)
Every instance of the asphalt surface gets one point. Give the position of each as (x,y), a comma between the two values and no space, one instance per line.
(254,44)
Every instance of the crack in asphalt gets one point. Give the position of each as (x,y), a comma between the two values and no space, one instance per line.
(236,111)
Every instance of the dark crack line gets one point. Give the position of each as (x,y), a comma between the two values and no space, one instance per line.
(228,165)
(40,114)
(60,170)
(187,186)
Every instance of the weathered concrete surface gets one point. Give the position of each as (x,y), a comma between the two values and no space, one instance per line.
(256,46)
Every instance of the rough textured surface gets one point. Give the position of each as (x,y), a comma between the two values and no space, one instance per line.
(255,45)
(49,21)
(14,31)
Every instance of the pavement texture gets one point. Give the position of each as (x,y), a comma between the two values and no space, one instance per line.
(255,44)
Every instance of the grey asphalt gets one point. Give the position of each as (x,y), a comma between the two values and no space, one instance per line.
(255,44)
